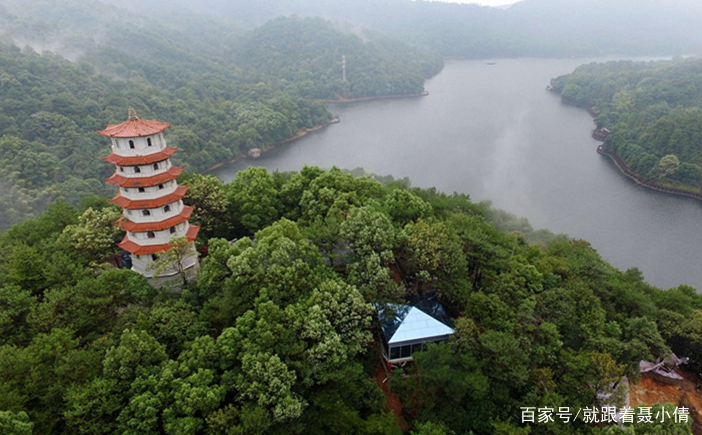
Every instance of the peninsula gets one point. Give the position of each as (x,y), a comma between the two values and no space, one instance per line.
(649,116)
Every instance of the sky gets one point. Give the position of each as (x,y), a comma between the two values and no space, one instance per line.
(484,2)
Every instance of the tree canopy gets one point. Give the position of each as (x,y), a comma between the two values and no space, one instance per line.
(277,333)
(653,111)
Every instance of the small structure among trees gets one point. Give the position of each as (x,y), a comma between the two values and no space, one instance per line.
(407,328)
(153,211)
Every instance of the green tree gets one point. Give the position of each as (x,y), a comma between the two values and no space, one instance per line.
(15,306)
(266,380)
(95,234)
(668,165)
(15,423)
(405,207)
(253,199)
(431,252)
(207,194)
(178,259)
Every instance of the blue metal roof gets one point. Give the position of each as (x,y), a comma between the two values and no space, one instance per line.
(422,321)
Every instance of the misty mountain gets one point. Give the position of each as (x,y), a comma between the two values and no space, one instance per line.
(307,54)
(224,89)
(527,28)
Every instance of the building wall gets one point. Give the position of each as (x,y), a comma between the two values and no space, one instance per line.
(141,264)
(158,214)
(120,146)
(144,170)
(160,237)
(398,352)
(152,192)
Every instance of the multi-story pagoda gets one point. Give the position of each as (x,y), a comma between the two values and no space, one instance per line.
(153,210)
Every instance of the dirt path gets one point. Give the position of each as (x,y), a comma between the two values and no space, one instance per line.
(689,394)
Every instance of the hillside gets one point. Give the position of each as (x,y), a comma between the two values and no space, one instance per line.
(306,56)
(218,88)
(277,335)
(654,113)
(528,28)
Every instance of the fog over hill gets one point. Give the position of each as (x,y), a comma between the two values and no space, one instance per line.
(527,28)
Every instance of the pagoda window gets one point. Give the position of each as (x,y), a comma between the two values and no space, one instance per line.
(146,212)
(166,209)
(172,230)
(121,169)
(154,257)
(151,235)
(155,165)
(148,141)
(131,144)
(160,186)
(142,190)
(137,169)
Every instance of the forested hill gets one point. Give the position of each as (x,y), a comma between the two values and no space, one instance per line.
(528,28)
(277,335)
(306,55)
(198,76)
(654,112)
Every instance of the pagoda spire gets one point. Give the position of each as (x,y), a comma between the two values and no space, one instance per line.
(132,114)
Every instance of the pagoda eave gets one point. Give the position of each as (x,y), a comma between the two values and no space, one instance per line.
(120,180)
(134,227)
(131,204)
(137,249)
(140,160)
(135,128)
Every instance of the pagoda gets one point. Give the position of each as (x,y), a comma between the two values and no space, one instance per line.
(152,201)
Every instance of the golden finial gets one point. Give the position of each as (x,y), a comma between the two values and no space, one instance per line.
(132,114)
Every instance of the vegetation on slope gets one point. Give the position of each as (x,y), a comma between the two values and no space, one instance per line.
(528,28)
(654,113)
(305,56)
(221,103)
(277,334)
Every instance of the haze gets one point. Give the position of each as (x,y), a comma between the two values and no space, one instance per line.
(493,3)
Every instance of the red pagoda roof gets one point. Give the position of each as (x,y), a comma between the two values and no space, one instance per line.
(136,249)
(133,204)
(134,227)
(135,128)
(122,181)
(140,160)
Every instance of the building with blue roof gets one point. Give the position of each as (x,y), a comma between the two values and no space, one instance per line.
(407,328)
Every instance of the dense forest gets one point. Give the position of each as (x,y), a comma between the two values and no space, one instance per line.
(528,28)
(305,56)
(277,334)
(222,101)
(236,75)
(654,113)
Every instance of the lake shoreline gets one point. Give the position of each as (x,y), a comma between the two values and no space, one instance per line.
(470,137)
(624,169)
(621,165)
(342,100)
(304,131)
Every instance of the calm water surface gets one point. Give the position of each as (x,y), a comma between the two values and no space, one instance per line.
(494,132)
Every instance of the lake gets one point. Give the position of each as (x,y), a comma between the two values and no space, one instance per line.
(495,133)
